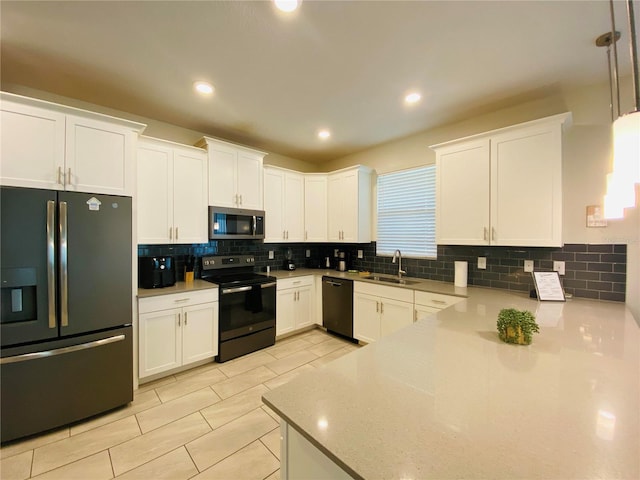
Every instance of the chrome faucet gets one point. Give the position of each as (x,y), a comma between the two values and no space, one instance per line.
(398,255)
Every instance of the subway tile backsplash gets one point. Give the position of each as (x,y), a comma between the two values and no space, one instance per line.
(591,271)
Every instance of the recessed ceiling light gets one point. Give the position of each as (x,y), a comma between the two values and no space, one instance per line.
(324,134)
(412,97)
(287,5)
(203,87)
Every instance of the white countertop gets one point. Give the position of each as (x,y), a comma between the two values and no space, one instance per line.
(445,398)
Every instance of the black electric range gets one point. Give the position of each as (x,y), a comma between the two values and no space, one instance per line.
(247,305)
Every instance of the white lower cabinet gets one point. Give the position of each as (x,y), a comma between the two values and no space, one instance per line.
(379,310)
(175,330)
(428,303)
(299,458)
(294,304)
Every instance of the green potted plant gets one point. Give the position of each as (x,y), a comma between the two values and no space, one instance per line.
(516,326)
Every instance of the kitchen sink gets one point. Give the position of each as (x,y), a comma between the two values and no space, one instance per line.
(397,281)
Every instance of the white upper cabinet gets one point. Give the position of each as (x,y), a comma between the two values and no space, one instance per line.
(315,207)
(235,175)
(349,205)
(172,193)
(283,205)
(45,145)
(503,187)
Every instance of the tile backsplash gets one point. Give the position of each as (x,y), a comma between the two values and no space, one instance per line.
(591,271)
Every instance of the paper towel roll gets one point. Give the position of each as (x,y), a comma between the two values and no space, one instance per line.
(461,274)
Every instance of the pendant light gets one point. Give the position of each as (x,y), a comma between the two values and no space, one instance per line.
(626,128)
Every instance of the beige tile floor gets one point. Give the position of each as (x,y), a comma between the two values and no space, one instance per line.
(205,423)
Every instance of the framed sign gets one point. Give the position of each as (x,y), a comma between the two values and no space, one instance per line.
(548,286)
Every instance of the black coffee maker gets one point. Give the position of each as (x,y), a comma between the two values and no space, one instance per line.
(156,272)
(288,263)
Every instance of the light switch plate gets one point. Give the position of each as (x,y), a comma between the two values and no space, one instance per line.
(482,263)
(558,267)
(360,254)
(528,266)
(270,254)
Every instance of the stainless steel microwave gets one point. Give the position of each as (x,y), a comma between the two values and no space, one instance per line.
(230,223)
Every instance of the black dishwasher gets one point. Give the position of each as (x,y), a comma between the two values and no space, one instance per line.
(337,305)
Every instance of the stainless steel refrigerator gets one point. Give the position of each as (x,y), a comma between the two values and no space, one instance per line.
(66,308)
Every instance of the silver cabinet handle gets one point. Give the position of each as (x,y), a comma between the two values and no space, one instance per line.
(381,307)
(51,262)
(170,233)
(60,178)
(59,351)
(284,236)
(287,234)
(182,300)
(241,200)
(176,233)
(377,307)
(493,233)
(179,320)
(235,199)
(439,302)
(64,266)
(185,318)
(68,182)
(484,235)
(306,235)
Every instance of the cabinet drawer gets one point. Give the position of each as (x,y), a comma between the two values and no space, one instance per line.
(436,300)
(295,282)
(177,300)
(394,293)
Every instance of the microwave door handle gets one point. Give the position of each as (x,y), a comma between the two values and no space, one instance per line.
(255,225)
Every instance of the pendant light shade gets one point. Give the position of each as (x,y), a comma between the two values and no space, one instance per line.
(626,133)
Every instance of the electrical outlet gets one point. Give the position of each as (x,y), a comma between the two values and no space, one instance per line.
(308,253)
(270,254)
(528,266)
(482,263)
(360,254)
(558,267)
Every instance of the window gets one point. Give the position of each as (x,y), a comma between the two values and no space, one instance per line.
(407,213)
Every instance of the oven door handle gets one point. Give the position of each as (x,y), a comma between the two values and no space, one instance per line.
(267,285)
(235,290)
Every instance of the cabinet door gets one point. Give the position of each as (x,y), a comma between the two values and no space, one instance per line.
(462,194)
(304,307)
(526,187)
(249,180)
(99,157)
(285,311)
(222,175)
(349,206)
(154,194)
(189,197)
(160,341)
(394,316)
(274,205)
(335,202)
(315,208)
(366,317)
(422,311)
(294,207)
(199,332)
(32,147)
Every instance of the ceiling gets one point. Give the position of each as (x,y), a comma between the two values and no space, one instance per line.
(279,78)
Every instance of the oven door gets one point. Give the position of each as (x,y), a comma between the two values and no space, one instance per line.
(246,309)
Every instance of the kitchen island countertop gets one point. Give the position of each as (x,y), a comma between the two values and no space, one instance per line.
(445,398)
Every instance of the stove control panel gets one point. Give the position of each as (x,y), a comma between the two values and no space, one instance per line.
(223,261)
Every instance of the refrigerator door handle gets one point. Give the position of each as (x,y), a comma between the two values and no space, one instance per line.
(51,262)
(64,272)
(59,351)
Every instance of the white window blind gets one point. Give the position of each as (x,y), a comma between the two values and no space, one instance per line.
(407,213)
